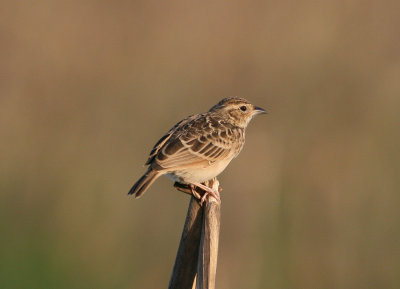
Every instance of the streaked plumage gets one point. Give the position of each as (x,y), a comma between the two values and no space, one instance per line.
(199,147)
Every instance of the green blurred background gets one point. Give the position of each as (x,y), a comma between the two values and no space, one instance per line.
(87,88)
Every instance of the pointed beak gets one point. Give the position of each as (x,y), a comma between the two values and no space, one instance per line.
(259,110)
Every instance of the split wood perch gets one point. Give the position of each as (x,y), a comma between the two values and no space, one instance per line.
(196,260)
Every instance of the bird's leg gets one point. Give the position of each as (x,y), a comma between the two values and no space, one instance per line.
(191,186)
(203,198)
(194,192)
(212,191)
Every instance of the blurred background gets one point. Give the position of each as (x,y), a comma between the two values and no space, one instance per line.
(88,87)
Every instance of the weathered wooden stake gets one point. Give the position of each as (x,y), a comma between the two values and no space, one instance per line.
(186,259)
(198,248)
(208,253)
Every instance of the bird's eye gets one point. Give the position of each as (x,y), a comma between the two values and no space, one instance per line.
(243,108)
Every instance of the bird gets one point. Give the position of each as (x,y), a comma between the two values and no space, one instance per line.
(198,148)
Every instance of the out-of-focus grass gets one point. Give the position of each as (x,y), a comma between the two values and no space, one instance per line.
(88,88)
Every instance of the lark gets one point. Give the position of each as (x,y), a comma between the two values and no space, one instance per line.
(198,148)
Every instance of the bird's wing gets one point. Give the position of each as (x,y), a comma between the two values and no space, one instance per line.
(162,141)
(199,141)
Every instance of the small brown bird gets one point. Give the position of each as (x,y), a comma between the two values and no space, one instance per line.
(199,147)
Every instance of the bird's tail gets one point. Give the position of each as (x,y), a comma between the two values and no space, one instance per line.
(144,182)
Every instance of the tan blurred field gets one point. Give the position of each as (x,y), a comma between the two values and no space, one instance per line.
(87,87)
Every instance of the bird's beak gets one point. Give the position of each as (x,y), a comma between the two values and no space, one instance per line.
(259,110)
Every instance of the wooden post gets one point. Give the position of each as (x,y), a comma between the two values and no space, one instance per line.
(186,259)
(198,248)
(208,253)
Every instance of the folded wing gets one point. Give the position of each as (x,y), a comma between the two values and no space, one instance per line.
(195,152)
(196,141)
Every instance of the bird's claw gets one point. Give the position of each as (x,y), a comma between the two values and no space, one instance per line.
(213,191)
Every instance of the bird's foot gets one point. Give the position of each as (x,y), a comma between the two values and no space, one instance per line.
(194,192)
(203,198)
(209,191)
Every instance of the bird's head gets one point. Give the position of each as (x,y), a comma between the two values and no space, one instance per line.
(238,110)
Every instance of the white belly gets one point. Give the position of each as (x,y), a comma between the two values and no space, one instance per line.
(199,174)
